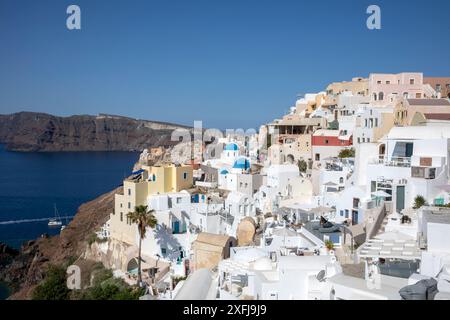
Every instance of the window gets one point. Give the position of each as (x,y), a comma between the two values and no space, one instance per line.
(375,96)
(163,251)
(121,205)
(359,140)
(388,82)
(317,156)
(185,175)
(129,192)
(129,205)
(381,96)
(411,81)
(326,141)
(153,177)
(405,95)
(341,180)
(121,216)
(341,213)
(368,139)
(418,95)
(179,200)
(379,82)
(438,87)
(376,122)
(346,213)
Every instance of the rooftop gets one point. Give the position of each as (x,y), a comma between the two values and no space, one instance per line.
(437,116)
(419,133)
(428,102)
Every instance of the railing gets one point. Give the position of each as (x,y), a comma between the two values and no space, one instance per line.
(380,213)
(393,161)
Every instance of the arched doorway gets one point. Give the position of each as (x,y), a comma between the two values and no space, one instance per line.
(132,266)
(290,158)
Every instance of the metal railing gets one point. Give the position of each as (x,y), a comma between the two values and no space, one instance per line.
(393,161)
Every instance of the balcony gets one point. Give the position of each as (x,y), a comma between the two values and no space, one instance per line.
(404,162)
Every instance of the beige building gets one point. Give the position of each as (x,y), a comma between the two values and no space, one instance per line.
(137,188)
(358,86)
(407,108)
(210,248)
(441,85)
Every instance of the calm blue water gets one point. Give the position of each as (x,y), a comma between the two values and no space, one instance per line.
(31,183)
(4,291)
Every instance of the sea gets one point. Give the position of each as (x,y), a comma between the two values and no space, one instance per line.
(32,184)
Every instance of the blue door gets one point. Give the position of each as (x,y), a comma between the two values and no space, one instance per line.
(176,226)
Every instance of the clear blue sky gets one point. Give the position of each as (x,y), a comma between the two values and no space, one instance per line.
(232,64)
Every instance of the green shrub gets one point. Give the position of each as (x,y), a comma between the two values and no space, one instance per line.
(419,201)
(302,165)
(329,245)
(54,286)
(347,153)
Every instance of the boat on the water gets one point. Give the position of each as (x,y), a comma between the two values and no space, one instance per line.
(55,222)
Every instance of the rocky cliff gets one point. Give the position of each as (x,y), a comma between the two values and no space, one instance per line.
(23,270)
(28,131)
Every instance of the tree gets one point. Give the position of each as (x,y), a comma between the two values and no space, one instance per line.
(302,165)
(329,245)
(143,218)
(347,153)
(419,201)
(54,286)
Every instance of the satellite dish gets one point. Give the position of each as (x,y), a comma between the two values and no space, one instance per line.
(321,276)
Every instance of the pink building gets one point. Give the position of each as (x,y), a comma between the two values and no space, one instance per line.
(385,88)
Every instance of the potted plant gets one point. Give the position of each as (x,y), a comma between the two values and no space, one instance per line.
(329,245)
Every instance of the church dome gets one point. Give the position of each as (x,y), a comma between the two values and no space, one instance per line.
(231,147)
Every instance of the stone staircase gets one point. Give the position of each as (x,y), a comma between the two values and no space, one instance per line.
(382,228)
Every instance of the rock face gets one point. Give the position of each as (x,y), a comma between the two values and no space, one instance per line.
(24,270)
(28,131)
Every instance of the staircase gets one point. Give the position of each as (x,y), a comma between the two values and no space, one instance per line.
(382,226)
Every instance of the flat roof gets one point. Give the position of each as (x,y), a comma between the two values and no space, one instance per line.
(390,249)
(419,132)
(428,102)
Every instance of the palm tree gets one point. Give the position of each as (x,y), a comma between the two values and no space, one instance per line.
(143,218)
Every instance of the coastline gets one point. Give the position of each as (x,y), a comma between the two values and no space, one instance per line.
(4,291)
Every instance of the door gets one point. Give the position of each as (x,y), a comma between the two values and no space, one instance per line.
(176,226)
(354,217)
(400,202)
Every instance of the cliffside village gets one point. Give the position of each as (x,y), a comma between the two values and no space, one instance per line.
(344,197)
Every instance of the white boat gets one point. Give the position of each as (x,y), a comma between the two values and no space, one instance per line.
(55,221)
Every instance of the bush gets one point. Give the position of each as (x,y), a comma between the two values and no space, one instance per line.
(347,153)
(92,238)
(329,245)
(112,289)
(54,286)
(302,165)
(419,201)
